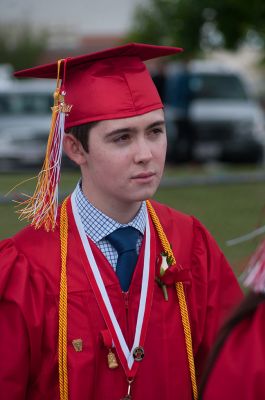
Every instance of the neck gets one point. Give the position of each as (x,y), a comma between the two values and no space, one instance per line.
(117,210)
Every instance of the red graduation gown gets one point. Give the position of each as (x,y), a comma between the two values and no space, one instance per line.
(239,371)
(29,291)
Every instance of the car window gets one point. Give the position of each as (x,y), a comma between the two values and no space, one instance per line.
(217,86)
(25,103)
(177,91)
(182,87)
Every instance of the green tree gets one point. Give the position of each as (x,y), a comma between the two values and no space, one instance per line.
(20,47)
(198,25)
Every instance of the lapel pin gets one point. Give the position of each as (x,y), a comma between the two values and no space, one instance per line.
(78,344)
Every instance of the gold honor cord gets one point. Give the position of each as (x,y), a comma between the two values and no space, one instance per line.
(181,297)
(62,339)
(63,375)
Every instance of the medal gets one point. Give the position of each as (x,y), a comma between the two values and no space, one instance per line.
(112,360)
(128,395)
(138,353)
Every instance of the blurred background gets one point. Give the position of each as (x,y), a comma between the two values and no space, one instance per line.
(214,96)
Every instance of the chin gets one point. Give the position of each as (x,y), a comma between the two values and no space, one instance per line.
(145,194)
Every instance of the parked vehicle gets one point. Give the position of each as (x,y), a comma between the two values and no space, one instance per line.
(6,74)
(25,115)
(211,115)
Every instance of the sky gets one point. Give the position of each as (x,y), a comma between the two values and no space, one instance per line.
(80,16)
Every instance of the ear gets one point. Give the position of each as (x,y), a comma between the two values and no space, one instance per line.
(74,149)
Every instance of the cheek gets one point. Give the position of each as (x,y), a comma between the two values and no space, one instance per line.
(161,150)
(106,168)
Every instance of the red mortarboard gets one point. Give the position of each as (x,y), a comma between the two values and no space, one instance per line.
(109,84)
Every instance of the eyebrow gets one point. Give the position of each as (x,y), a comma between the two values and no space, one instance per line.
(156,123)
(131,130)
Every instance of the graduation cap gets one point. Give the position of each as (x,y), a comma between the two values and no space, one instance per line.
(108,84)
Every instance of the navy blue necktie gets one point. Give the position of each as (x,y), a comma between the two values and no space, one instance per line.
(124,241)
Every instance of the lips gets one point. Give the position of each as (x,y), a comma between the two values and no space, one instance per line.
(143,175)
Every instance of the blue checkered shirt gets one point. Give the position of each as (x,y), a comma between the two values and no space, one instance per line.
(98,225)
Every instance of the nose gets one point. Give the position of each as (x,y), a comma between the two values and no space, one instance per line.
(143,151)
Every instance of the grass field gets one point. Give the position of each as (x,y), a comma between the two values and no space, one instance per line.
(227,211)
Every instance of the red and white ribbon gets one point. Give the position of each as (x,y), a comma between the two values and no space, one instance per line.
(125,354)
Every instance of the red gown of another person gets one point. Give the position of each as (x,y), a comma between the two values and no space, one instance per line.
(29,290)
(239,371)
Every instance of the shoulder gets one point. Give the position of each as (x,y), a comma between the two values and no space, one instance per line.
(190,240)
(194,245)
(169,216)
(177,221)
(250,331)
(240,367)
(30,255)
(36,244)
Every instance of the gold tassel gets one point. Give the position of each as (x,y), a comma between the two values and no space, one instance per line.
(41,208)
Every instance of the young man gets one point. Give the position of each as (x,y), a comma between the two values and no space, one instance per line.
(116,297)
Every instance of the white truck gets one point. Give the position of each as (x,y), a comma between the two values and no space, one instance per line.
(212,115)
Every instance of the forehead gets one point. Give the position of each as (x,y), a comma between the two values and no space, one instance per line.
(142,121)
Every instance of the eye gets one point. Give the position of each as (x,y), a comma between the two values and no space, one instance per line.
(156,131)
(121,138)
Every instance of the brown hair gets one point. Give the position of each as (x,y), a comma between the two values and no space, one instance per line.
(81,133)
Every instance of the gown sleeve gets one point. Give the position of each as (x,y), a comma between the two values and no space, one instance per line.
(238,372)
(21,311)
(216,292)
